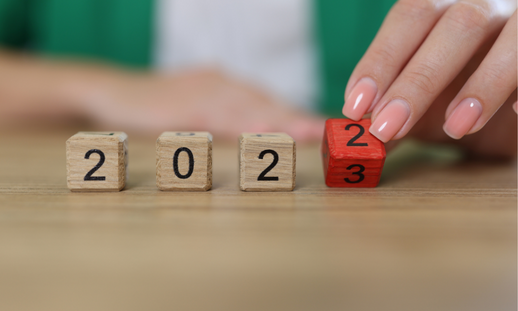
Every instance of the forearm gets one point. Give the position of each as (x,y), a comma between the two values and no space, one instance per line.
(34,89)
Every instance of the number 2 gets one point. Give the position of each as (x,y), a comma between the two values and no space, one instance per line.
(88,175)
(352,142)
(263,176)
(359,173)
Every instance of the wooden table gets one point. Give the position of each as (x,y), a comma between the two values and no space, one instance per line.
(437,234)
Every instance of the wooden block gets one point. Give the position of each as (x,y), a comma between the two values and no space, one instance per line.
(184,161)
(97,161)
(352,156)
(266,162)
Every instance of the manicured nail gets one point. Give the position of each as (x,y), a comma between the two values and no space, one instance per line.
(390,120)
(360,99)
(463,118)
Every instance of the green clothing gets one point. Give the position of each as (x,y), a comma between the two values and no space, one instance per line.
(121,31)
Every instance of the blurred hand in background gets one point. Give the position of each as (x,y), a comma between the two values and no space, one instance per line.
(42,92)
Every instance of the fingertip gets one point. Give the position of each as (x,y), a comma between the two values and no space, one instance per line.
(376,134)
(463,118)
(390,120)
(360,100)
(445,129)
(515,108)
(348,113)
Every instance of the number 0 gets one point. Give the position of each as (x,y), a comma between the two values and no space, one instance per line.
(191,163)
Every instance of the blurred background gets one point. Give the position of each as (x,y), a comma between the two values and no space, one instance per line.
(147,66)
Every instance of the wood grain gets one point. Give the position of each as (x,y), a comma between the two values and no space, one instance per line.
(113,146)
(438,233)
(257,153)
(200,145)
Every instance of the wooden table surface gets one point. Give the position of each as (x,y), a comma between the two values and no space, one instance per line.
(438,233)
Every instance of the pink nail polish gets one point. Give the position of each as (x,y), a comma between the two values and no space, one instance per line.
(390,120)
(360,99)
(463,118)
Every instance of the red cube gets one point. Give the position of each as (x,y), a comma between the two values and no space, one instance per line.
(352,156)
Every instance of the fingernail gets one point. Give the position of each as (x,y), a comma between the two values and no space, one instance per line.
(515,107)
(390,120)
(463,118)
(360,99)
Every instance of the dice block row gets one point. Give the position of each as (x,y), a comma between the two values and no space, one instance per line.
(98,161)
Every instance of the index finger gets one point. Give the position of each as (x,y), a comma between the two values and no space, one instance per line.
(404,29)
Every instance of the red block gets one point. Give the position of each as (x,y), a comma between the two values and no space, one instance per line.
(352,156)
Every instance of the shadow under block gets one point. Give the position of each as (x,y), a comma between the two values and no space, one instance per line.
(266,162)
(184,161)
(97,161)
(352,156)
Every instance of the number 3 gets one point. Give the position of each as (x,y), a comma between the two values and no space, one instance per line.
(359,173)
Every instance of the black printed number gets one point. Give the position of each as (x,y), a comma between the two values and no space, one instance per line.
(352,142)
(175,163)
(88,175)
(263,176)
(361,177)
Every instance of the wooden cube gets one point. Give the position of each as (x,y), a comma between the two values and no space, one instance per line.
(266,162)
(97,161)
(184,161)
(352,156)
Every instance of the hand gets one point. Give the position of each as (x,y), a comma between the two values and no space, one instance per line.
(204,100)
(432,54)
